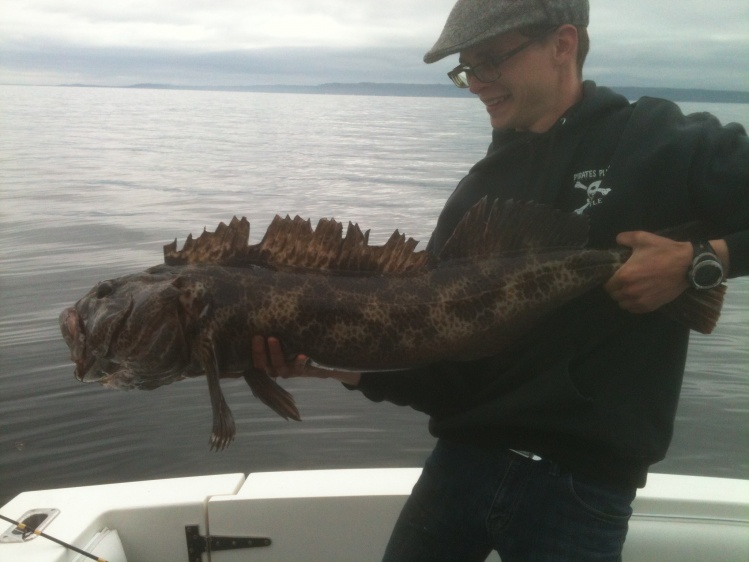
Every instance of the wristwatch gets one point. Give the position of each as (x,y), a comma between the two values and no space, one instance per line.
(706,270)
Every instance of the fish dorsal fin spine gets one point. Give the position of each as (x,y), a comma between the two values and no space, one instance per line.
(227,242)
(294,243)
(513,226)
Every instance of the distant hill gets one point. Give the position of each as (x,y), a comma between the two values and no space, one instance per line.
(356,89)
(448,90)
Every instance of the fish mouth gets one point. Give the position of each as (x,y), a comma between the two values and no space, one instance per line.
(74,333)
(69,325)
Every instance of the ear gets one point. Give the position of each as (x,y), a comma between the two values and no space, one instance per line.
(566,44)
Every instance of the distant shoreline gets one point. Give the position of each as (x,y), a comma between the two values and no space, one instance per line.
(440,90)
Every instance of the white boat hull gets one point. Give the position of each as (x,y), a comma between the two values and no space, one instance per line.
(337,515)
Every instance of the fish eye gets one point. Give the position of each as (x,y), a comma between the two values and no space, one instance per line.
(103,290)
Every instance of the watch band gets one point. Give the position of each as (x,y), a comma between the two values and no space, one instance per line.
(706,270)
(701,247)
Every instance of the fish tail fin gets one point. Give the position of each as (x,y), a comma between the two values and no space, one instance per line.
(270,393)
(699,310)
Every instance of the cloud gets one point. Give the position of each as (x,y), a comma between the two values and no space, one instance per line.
(278,65)
(691,43)
(226,25)
(247,42)
(706,63)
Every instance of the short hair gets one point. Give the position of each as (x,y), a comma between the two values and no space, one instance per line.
(583,41)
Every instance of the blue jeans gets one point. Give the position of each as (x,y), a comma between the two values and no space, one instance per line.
(472,500)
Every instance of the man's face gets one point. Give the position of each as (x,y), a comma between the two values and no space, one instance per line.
(523,96)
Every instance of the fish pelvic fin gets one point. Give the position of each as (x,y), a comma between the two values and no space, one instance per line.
(294,243)
(273,395)
(699,310)
(224,428)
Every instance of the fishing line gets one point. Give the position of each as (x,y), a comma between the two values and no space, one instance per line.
(26,529)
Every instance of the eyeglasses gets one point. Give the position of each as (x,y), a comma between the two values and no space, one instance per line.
(488,71)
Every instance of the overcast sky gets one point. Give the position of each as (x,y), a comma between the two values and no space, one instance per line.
(684,43)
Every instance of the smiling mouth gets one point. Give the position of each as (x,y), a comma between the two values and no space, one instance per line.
(495,101)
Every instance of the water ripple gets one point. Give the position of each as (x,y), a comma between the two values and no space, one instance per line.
(95,181)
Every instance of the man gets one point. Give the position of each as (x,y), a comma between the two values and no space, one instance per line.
(541,449)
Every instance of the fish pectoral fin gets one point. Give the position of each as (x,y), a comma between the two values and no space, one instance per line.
(699,310)
(270,393)
(223,420)
(506,227)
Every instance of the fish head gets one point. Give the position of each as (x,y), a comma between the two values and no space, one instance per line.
(128,332)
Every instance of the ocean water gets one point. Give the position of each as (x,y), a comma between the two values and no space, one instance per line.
(94,181)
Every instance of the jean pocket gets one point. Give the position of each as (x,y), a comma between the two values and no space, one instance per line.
(601,501)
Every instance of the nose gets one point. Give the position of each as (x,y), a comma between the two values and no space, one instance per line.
(475,85)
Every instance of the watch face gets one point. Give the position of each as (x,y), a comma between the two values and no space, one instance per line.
(707,274)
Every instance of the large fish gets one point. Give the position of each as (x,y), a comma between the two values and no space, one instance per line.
(344,303)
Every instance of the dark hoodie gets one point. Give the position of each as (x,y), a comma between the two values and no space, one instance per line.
(593,388)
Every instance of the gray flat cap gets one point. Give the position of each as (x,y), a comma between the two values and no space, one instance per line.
(474,21)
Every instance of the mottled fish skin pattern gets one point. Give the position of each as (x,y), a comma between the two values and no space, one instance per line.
(385,322)
(345,304)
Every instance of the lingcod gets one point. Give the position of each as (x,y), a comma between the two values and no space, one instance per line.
(344,303)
